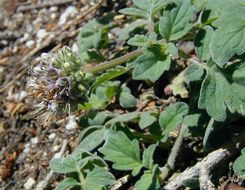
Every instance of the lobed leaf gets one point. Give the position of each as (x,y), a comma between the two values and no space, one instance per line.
(175,22)
(151,65)
(172,116)
(124,154)
(229,38)
(98,178)
(67,184)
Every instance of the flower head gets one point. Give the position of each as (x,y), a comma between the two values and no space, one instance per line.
(55,86)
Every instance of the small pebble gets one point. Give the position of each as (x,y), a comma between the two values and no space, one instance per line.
(74,48)
(72,124)
(68,13)
(30,43)
(41,34)
(53,9)
(51,136)
(56,148)
(53,16)
(58,155)
(30,182)
(34,140)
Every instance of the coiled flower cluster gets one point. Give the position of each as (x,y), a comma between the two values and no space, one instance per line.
(58,84)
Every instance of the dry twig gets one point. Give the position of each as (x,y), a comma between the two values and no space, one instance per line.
(204,168)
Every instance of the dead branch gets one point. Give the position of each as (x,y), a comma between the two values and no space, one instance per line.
(204,168)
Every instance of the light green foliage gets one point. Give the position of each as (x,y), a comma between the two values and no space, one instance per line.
(138,40)
(194,72)
(151,65)
(148,156)
(102,96)
(239,164)
(149,180)
(175,22)
(145,8)
(126,99)
(146,119)
(93,34)
(210,79)
(172,116)
(229,39)
(202,43)
(109,75)
(222,89)
(84,164)
(214,92)
(68,183)
(91,138)
(123,152)
(125,32)
(99,178)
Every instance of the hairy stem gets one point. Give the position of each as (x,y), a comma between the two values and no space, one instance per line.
(169,166)
(114,62)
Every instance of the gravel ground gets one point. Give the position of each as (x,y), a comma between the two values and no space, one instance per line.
(28,30)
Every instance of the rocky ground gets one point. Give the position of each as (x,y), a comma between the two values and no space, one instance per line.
(28,30)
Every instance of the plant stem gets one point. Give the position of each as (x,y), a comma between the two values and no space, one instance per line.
(114,62)
(165,170)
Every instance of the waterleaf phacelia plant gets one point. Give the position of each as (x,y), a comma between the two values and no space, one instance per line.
(185,57)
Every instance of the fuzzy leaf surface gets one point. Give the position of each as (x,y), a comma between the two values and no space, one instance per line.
(229,38)
(202,43)
(148,156)
(149,180)
(239,164)
(151,65)
(213,94)
(98,178)
(123,152)
(146,119)
(126,99)
(172,116)
(175,22)
(67,184)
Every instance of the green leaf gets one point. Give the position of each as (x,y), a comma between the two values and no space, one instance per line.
(151,65)
(229,38)
(103,95)
(146,119)
(149,181)
(236,100)
(125,154)
(133,11)
(142,4)
(138,40)
(200,4)
(63,165)
(108,75)
(239,164)
(172,116)
(92,140)
(126,99)
(93,34)
(125,32)
(202,43)
(67,184)
(214,92)
(194,72)
(174,23)
(148,156)
(123,118)
(99,178)
(192,120)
